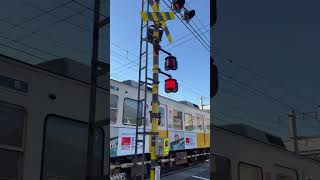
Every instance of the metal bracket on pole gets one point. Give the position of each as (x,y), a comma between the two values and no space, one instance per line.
(165,51)
(161,72)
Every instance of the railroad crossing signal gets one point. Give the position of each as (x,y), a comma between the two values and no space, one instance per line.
(171,85)
(161,17)
(188,15)
(177,5)
(171,63)
(157,16)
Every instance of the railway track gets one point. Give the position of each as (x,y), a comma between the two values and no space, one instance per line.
(166,170)
(182,168)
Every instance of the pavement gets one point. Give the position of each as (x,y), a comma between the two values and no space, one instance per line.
(198,172)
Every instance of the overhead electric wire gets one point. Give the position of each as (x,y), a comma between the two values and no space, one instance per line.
(277,100)
(65,19)
(88,8)
(40,15)
(22,51)
(30,47)
(203,42)
(150,51)
(196,24)
(59,43)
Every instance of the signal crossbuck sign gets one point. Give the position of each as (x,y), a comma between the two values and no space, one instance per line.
(162,17)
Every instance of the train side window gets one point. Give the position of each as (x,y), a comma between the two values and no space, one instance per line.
(249,172)
(130,112)
(65,148)
(177,120)
(207,125)
(163,111)
(199,122)
(11,140)
(221,169)
(113,108)
(188,124)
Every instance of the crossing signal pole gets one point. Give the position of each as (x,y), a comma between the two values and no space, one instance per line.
(171,85)
(155,99)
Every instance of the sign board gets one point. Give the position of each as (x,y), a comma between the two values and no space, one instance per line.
(177,140)
(123,143)
(191,140)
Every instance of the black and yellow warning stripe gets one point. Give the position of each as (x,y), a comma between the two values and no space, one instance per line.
(157,16)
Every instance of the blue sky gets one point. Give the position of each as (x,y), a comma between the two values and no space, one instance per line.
(193,73)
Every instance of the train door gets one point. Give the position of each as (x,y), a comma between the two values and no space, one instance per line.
(285,173)
(200,131)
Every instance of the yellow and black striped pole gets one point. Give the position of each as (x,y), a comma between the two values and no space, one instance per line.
(155,100)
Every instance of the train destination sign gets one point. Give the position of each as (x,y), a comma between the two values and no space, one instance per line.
(14,84)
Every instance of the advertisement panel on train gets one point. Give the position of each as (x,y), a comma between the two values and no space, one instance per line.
(122,143)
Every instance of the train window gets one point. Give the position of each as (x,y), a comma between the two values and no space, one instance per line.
(130,112)
(207,125)
(163,111)
(221,168)
(250,172)
(113,108)
(199,122)
(11,140)
(284,177)
(65,148)
(177,120)
(188,124)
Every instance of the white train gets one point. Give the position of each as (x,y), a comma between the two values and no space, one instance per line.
(238,157)
(186,126)
(43,122)
(43,133)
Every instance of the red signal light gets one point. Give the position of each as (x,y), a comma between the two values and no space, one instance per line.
(171,63)
(171,85)
(178,4)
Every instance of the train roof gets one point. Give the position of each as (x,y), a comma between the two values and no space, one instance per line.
(249,131)
(65,67)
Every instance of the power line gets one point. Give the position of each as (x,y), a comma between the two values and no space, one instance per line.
(22,51)
(257,91)
(42,14)
(203,42)
(88,8)
(182,37)
(183,42)
(196,24)
(31,47)
(65,19)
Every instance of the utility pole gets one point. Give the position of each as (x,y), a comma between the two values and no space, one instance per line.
(92,110)
(293,130)
(95,64)
(201,101)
